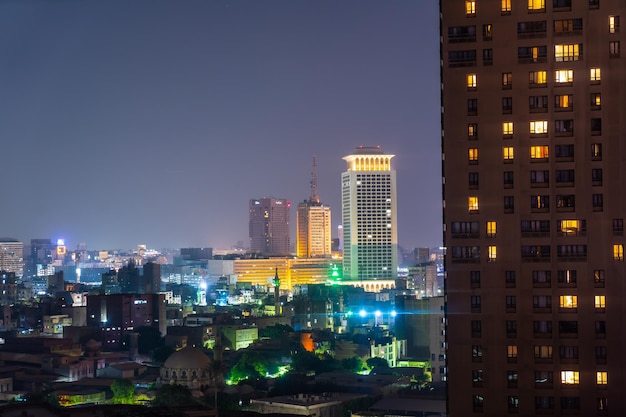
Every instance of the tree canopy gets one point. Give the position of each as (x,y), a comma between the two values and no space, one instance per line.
(123,391)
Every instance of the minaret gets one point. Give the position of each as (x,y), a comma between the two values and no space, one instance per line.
(277,293)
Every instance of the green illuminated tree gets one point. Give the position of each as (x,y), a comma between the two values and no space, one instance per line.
(123,391)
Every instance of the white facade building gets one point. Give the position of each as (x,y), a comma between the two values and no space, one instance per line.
(370,241)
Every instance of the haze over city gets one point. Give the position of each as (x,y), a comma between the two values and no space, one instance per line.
(156,121)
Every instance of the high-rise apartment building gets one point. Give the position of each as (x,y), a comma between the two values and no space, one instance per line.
(533,136)
(12,256)
(269,226)
(313,224)
(368,194)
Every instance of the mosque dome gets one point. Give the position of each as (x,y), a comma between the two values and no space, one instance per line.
(187,358)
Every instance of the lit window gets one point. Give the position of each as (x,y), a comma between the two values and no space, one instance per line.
(507,128)
(492,253)
(471,81)
(564,76)
(600,301)
(543,351)
(472,154)
(538,127)
(569,227)
(507,153)
(472,131)
(613,24)
(538,77)
(594,74)
(567,52)
(491,228)
(511,351)
(570,377)
(602,377)
(568,301)
(507,80)
(472,204)
(539,152)
(536,5)
(506,6)
(563,101)
(470,8)
(618,252)
(596,100)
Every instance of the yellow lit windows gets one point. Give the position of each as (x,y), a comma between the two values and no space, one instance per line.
(570,377)
(491,228)
(618,252)
(539,152)
(594,74)
(538,127)
(569,226)
(507,153)
(600,301)
(602,377)
(492,253)
(472,131)
(596,100)
(568,52)
(472,155)
(564,76)
(613,24)
(538,78)
(470,8)
(563,102)
(507,128)
(568,301)
(472,204)
(506,7)
(471,82)
(536,5)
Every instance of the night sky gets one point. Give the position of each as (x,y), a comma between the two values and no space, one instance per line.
(154,122)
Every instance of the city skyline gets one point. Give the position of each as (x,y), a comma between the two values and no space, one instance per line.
(156,122)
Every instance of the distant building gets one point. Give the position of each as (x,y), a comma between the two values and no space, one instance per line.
(239,337)
(118,315)
(151,278)
(313,225)
(269,226)
(12,256)
(196,254)
(370,241)
(421,323)
(292,271)
(421,255)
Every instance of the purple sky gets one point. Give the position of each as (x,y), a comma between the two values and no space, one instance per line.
(147,121)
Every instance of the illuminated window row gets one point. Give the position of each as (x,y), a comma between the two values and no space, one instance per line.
(573,377)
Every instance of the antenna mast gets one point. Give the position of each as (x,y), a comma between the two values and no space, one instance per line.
(314,197)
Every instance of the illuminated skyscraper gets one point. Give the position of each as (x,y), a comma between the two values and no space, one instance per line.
(534,157)
(313,228)
(269,226)
(368,193)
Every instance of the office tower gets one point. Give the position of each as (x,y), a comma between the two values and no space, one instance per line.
(313,236)
(533,147)
(368,193)
(269,226)
(12,256)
